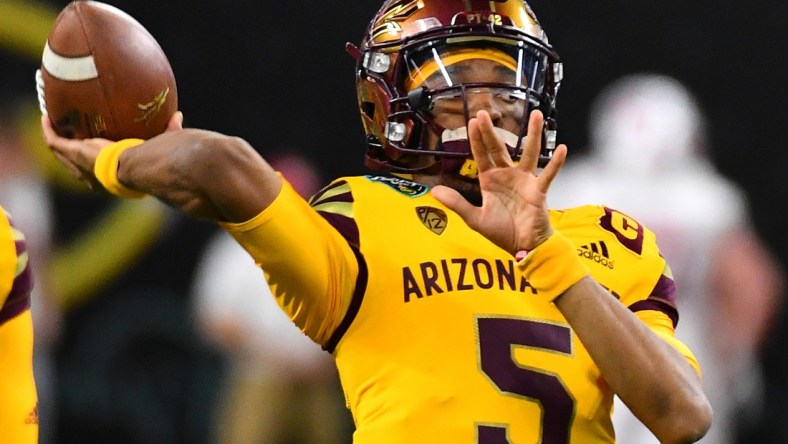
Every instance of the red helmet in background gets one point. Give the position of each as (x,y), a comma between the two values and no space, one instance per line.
(403,70)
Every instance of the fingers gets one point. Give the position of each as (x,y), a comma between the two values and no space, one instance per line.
(478,146)
(455,202)
(489,151)
(78,156)
(53,140)
(176,122)
(533,142)
(495,146)
(550,171)
(63,149)
(47,130)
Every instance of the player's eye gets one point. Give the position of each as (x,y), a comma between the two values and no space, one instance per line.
(509,96)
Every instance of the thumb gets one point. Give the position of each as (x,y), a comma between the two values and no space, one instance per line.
(455,202)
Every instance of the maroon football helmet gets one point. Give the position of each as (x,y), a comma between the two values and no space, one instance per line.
(409,70)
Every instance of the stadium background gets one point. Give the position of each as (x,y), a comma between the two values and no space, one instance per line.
(245,67)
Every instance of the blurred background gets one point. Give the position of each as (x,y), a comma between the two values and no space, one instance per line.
(123,358)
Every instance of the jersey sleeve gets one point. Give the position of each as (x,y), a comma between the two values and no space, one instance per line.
(18,398)
(7,258)
(16,279)
(624,257)
(647,287)
(310,267)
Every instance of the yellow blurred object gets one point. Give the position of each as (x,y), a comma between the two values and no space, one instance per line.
(25,25)
(83,268)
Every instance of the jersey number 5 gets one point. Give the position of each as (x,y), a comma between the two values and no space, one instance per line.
(496,338)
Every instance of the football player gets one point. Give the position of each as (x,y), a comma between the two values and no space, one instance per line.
(457,306)
(18,399)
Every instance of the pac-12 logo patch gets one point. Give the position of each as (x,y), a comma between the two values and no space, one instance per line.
(404,186)
(433,218)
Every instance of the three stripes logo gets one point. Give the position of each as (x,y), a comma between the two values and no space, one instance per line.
(597,252)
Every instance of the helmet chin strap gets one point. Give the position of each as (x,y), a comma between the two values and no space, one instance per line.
(457,141)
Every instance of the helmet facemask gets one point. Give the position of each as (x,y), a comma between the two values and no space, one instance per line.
(432,83)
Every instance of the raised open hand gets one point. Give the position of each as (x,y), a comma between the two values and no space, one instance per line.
(513,214)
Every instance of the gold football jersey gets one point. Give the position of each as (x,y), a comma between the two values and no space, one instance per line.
(436,335)
(8,257)
(18,399)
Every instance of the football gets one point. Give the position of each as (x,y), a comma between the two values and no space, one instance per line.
(104,75)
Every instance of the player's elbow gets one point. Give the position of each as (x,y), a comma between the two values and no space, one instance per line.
(234,181)
(210,157)
(196,170)
(687,424)
(211,152)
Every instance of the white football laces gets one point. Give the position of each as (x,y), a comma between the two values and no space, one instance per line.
(42,104)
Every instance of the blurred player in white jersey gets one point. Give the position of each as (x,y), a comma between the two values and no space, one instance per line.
(647,155)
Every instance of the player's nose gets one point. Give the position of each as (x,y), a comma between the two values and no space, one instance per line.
(484,99)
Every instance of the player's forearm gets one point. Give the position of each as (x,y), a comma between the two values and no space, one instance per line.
(202,173)
(652,378)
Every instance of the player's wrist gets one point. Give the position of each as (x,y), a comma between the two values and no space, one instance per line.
(521,252)
(106,168)
(552,266)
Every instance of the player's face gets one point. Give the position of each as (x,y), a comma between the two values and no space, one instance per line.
(506,106)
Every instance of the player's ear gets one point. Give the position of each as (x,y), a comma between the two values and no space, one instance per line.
(176,122)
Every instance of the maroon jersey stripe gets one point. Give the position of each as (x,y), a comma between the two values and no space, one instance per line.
(658,305)
(344,197)
(19,298)
(665,289)
(662,298)
(345,225)
(355,303)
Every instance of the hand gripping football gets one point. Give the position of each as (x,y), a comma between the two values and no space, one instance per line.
(104,75)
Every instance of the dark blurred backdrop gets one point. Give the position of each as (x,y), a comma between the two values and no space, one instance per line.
(276,73)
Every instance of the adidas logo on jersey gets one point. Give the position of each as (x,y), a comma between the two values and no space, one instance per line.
(597,252)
